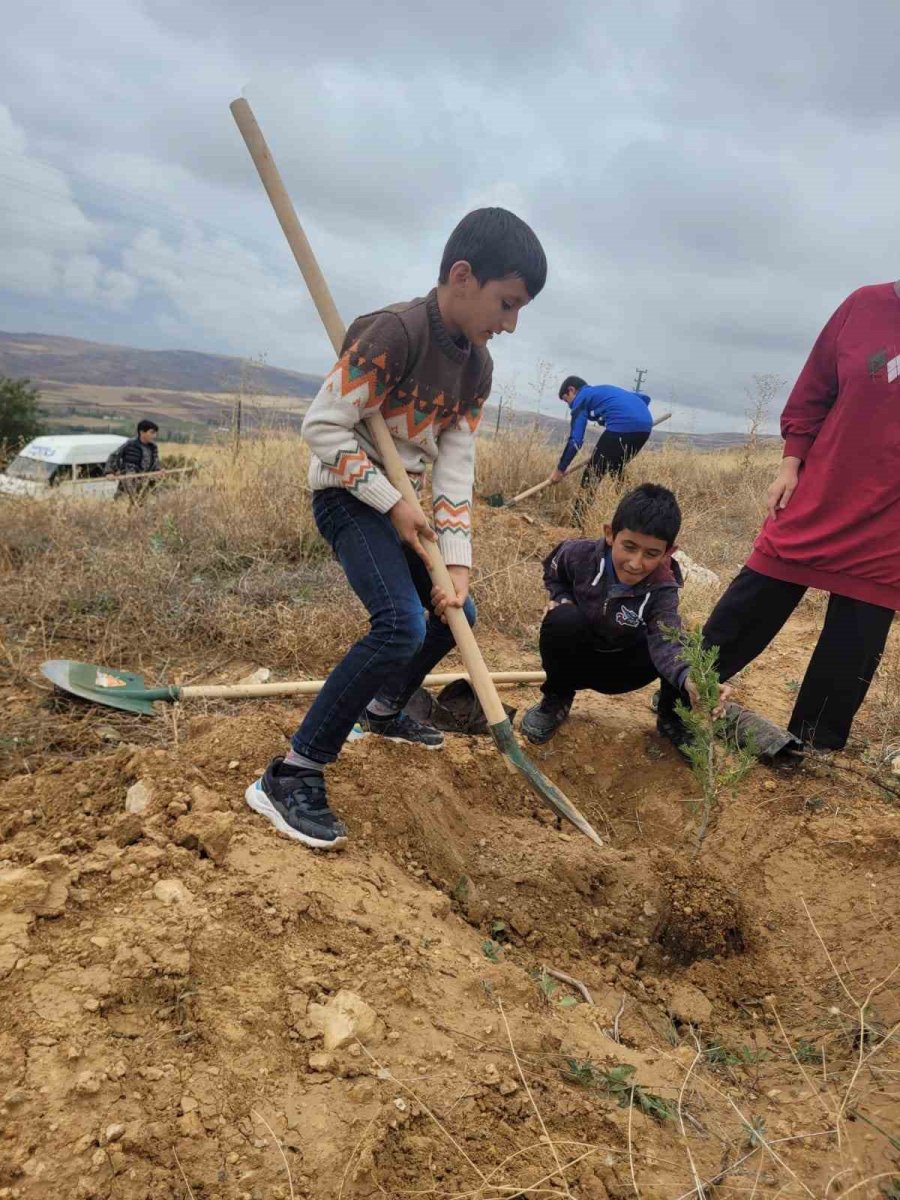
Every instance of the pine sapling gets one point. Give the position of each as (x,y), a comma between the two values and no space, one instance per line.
(718,763)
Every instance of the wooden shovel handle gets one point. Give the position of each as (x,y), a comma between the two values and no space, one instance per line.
(545,483)
(312,687)
(136,475)
(334,326)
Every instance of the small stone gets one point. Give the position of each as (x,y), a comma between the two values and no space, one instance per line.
(345,1018)
(205,800)
(489,1074)
(234,764)
(190,1126)
(321,1061)
(400,1104)
(138,796)
(127,829)
(689,1006)
(208,832)
(100,942)
(770,786)
(117,1161)
(15,1097)
(115,1132)
(87,1084)
(40,889)
(260,675)
(91,1005)
(189,1104)
(176,809)
(171,891)
(508,1087)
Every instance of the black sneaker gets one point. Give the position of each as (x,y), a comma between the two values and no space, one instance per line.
(398,728)
(295,801)
(541,722)
(671,727)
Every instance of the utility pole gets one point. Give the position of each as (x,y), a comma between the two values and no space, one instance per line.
(639,374)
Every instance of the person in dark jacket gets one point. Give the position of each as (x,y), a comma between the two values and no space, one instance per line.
(627,423)
(138,456)
(612,614)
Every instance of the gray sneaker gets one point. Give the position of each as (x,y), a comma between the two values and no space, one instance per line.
(296,803)
(541,722)
(399,727)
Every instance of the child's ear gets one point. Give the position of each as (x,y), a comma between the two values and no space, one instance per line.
(460,273)
(608,534)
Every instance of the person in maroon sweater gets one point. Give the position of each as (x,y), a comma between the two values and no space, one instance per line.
(834,520)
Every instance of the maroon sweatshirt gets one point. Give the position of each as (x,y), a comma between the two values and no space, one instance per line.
(840,531)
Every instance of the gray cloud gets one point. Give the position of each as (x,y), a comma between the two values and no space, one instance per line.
(709,179)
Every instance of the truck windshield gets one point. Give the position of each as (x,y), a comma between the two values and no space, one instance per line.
(30,468)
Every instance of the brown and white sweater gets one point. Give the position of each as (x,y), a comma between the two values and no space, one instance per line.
(430,391)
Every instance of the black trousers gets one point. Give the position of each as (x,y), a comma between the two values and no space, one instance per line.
(752,611)
(574,664)
(610,456)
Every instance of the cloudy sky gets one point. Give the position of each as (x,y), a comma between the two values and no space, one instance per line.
(709,177)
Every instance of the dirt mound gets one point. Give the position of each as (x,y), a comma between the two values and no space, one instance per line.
(192,1004)
(702,919)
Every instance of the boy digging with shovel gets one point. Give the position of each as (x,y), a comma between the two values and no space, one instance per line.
(426,366)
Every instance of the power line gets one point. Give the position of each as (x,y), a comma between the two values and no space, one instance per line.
(639,374)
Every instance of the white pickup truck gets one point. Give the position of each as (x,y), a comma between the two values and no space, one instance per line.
(65,464)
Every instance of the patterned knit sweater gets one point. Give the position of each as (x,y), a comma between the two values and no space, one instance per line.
(430,390)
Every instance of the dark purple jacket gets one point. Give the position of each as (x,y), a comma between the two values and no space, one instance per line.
(621,615)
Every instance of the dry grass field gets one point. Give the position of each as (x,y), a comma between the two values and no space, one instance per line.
(166,969)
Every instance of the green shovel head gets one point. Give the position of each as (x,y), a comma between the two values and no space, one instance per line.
(494,500)
(103,685)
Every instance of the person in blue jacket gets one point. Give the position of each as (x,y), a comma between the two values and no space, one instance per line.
(627,421)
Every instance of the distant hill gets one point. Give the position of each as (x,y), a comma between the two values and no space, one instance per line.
(555,429)
(71,360)
(94,386)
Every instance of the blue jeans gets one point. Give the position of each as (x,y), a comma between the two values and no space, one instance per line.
(401,647)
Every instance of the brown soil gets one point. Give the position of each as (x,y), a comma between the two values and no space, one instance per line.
(163,972)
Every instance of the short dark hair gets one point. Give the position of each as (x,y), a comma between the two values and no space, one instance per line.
(649,509)
(496,244)
(146,425)
(574,381)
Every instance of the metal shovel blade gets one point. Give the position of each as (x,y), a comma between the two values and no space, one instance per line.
(538,782)
(103,685)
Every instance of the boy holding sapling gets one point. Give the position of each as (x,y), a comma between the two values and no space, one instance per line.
(612,620)
(425,365)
